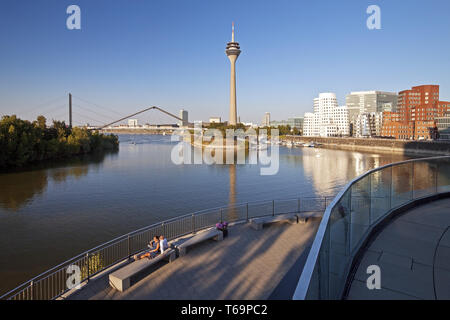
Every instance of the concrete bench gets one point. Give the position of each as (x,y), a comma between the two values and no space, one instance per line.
(120,279)
(257,223)
(203,236)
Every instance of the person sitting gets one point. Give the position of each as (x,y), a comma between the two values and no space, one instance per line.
(163,244)
(154,246)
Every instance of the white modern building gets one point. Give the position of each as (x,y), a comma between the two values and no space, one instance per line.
(328,119)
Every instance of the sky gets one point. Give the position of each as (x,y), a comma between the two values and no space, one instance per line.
(129,55)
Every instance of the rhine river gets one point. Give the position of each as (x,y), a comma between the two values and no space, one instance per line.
(51,213)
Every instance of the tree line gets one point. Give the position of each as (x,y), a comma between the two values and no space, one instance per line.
(23,142)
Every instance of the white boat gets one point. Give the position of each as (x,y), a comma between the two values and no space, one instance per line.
(309,145)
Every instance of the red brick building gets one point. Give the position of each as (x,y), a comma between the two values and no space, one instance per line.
(417,110)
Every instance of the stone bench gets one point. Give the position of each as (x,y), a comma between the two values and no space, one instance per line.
(120,279)
(257,223)
(203,236)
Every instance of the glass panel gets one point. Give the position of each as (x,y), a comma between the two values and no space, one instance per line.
(319,284)
(401,184)
(443,177)
(381,182)
(360,210)
(424,178)
(339,244)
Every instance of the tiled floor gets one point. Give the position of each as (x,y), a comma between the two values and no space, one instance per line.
(413,253)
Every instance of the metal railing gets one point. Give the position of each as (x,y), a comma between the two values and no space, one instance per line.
(54,282)
(355,211)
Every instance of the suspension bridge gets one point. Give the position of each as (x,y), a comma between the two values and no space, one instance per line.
(81,112)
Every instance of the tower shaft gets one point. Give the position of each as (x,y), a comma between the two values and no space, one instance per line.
(233,99)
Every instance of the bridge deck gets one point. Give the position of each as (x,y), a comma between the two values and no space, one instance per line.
(248,264)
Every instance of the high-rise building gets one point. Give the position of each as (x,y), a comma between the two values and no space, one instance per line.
(418,108)
(233,51)
(328,119)
(184,118)
(368,102)
(266,120)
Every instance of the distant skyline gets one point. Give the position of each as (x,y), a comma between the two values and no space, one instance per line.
(132,54)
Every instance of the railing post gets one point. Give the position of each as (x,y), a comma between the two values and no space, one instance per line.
(193,223)
(370,199)
(129,248)
(247,211)
(412,180)
(273,207)
(391,191)
(31,290)
(350,221)
(87,262)
(436,172)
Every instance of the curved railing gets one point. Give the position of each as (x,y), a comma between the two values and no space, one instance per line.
(355,211)
(53,283)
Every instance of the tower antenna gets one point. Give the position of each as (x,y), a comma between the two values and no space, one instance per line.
(232,31)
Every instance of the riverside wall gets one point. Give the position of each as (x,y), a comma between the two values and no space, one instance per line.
(379,145)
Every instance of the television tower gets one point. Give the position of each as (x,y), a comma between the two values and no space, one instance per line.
(233,51)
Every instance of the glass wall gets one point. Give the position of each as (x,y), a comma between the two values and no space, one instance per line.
(351,216)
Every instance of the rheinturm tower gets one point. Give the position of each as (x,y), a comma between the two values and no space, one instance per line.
(233,51)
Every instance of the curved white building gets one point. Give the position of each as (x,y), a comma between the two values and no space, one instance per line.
(328,119)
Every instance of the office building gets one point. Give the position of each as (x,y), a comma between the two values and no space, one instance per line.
(184,118)
(266,120)
(369,102)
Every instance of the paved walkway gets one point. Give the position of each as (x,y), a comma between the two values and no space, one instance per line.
(413,253)
(249,264)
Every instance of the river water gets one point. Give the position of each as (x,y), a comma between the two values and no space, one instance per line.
(53,212)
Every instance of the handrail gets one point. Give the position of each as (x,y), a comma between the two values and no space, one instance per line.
(60,267)
(304,282)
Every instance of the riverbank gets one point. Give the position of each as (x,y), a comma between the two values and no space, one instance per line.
(378,145)
(25,143)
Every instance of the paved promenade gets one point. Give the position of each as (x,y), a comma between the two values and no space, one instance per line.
(413,253)
(248,264)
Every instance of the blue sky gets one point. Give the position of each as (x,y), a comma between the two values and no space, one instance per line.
(133,54)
